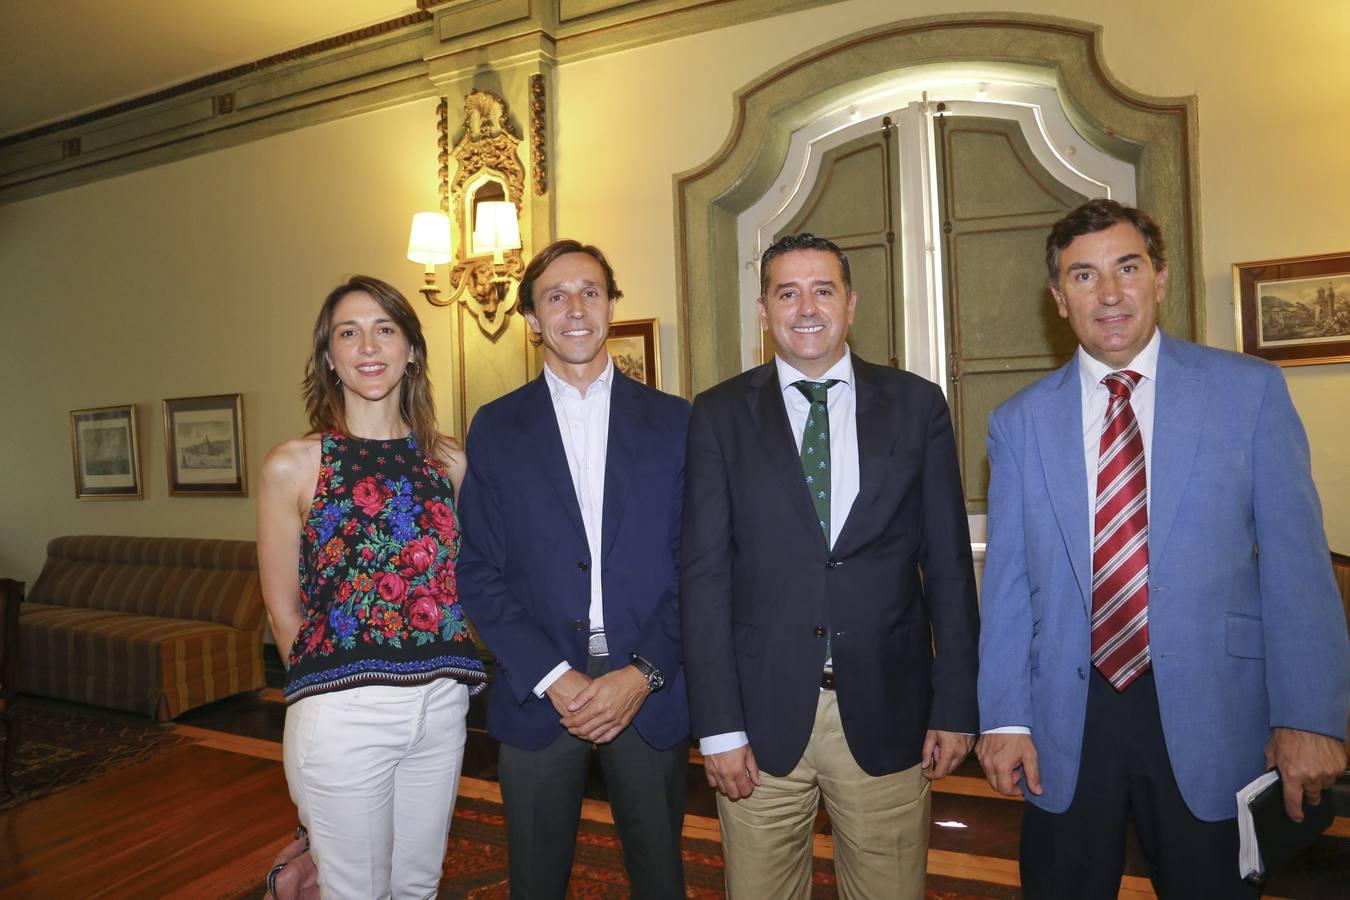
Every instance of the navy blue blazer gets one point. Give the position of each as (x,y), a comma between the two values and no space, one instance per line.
(1245,626)
(524,567)
(759,584)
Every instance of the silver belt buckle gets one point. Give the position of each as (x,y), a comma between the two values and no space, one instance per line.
(598,646)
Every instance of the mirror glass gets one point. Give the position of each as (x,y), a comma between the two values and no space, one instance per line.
(490,188)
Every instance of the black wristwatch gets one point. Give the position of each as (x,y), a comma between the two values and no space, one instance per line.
(655,679)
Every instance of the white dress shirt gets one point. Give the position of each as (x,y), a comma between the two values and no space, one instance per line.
(1095,397)
(583,422)
(844,474)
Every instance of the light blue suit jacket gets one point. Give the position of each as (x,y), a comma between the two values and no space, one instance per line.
(1246,628)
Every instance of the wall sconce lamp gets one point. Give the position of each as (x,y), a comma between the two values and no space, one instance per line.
(496,230)
(429,244)
(483,271)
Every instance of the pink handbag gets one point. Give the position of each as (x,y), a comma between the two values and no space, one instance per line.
(293,875)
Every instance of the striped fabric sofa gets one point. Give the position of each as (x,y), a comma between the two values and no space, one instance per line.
(151,625)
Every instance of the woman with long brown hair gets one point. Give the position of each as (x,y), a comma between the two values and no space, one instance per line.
(380,660)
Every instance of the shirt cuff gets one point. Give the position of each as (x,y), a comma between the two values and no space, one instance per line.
(1009,729)
(721,743)
(547,681)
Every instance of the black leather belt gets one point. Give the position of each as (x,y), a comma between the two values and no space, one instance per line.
(827,680)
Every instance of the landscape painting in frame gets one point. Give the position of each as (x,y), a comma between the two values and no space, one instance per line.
(1294,311)
(636,348)
(204,443)
(106,453)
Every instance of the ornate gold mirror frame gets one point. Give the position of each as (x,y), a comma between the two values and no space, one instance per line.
(487,167)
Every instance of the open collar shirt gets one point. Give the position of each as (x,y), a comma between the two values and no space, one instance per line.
(583,423)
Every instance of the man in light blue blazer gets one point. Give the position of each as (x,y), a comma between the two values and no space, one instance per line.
(1238,658)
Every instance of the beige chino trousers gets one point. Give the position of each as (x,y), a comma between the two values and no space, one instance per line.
(880,825)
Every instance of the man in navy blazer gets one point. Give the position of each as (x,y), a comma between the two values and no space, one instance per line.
(1246,664)
(829,608)
(569,571)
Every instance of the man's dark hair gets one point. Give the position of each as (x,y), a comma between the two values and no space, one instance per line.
(1099,215)
(803,241)
(546,257)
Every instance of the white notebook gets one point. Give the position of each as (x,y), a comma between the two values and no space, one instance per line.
(1249,854)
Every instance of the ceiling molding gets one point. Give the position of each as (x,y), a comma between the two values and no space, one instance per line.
(187,87)
(405,58)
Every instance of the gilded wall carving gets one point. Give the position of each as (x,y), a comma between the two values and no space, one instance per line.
(486,162)
(538,135)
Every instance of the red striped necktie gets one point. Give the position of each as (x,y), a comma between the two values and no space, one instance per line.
(1120,542)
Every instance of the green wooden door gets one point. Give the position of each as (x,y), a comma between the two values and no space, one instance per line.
(855,202)
(997,204)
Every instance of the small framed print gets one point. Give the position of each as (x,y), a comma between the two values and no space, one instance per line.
(636,348)
(106,453)
(204,446)
(1294,312)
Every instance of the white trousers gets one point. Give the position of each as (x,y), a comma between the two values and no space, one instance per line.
(373,772)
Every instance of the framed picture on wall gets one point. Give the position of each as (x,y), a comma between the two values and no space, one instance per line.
(636,348)
(204,446)
(1294,312)
(106,453)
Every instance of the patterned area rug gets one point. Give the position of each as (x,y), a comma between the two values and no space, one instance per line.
(65,744)
(475,865)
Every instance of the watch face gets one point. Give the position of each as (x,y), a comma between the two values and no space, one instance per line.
(656,680)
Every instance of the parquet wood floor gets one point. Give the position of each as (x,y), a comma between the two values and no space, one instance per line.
(203,821)
(192,823)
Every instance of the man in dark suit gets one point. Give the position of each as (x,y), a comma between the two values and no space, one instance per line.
(1160,621)
(571,514)
(828,596)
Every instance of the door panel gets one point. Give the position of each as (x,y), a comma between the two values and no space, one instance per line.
(980,394)
(996,179)
(855,203)
(1004,309)
(997,204)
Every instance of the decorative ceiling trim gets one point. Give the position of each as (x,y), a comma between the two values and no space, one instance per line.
(397,61)
(187,87)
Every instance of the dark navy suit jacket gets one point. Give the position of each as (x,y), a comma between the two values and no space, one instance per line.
(524,567)
(759,583)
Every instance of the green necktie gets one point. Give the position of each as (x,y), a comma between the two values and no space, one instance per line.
(816,448)
(816,457)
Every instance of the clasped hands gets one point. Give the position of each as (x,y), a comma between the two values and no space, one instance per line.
(598,709)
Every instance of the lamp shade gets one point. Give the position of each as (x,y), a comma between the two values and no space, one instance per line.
(429,240)
(495,227)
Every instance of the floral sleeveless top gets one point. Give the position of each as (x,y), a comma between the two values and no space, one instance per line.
(377,572)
